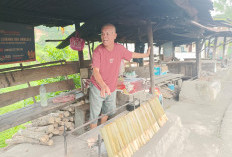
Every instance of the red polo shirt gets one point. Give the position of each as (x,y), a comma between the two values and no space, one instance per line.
(108,63)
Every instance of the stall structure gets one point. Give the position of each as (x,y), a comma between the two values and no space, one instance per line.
(155,22)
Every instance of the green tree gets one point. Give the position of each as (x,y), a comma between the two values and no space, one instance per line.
(223,10)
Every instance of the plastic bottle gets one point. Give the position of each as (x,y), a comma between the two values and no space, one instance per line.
(43,96)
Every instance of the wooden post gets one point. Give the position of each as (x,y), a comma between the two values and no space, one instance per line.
(151,57)
(198,58)
(80,53)
(209,42)
(224,49)
(205,50)
(90,55)
(214,48)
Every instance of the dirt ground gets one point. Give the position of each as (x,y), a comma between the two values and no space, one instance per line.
(201,123)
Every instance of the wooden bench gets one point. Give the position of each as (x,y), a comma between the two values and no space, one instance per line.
(25,74)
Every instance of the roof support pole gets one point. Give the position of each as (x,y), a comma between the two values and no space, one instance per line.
(224,48)
(80,53)
(151,57)
(214,48)
(209,42)
(205,50)
(198,58)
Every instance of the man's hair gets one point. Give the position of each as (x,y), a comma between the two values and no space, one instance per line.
(109,24)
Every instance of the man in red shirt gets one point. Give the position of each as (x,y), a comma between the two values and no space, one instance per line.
(106,63)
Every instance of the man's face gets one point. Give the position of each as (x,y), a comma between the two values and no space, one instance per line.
(108,35)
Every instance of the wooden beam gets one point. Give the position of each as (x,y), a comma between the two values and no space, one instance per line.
(53,40)
(15,96)
(23,76)
(151,57)
(30,66)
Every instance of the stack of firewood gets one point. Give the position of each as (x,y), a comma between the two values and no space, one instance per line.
(41,130)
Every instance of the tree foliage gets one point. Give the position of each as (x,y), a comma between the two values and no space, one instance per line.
(223,10)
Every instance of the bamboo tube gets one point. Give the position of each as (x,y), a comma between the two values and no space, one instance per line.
(106,141)
(124,133)
(134,136)
(153,121)
(156,108)
(141,125)
(147,129)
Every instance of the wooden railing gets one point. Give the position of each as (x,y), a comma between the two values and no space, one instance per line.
(25,74)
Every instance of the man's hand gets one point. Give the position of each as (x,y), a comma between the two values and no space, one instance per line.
(105,89)
(148,51)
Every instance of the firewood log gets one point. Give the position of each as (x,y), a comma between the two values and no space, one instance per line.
(45,120)
(42,137)
(55,125)
(68,108)
(50,135)
(55,132)
(45,129)
(23,139)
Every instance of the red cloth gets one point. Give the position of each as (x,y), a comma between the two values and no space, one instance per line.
(63,99)
(108,63)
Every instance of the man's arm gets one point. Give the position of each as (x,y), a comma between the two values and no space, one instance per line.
(141,55)
(101,83)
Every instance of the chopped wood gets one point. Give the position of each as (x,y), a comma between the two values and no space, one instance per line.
(61,123)
(78,103)
(61,132)
(23,139)
(59,114)
(68,108)
(50,135)
(57,119)
(55,125)
(42,137)
(66,114)
(56,132)
(45,120)
(45,129)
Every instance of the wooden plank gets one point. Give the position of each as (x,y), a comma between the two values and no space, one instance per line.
(15,96)
(34,111)
(167,78)
(30,66)
(23,76)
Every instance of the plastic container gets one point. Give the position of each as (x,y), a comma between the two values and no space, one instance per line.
(43,96)
(171,86)
(157,70)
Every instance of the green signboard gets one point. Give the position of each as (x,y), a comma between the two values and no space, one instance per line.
(16,43)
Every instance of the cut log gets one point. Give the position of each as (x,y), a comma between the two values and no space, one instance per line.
(45,129)
(57,119)
(57,114)
(61,123)
(56,132)
(68,108)
(78,103)
(42,137)
(50,135)
(45,120)
(55,125)
(67,114)
(23,139)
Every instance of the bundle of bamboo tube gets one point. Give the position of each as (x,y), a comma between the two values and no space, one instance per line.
(128,133)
